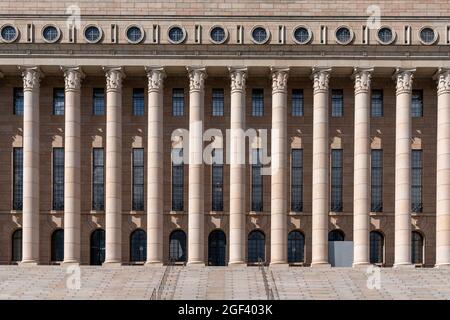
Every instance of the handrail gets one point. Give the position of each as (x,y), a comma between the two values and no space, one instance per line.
(158,292)
(269,292)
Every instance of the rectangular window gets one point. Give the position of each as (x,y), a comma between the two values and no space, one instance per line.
(217,180)
(257,102)
(58,178)
(297,180)
(18,178)
(297,102)
(98,102)
(376,178)
(98,179)
(416,181)
(417,104)
(58,101)
(257,181)
(217,102)
(18,101)
(377,103)
(138,102)
(178,102)
(337,103)
(336,180)
(177,180)
(138,179)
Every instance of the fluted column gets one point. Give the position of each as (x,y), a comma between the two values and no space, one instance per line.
(404,79)
(320,174)
(361,172)
(155,177)
(30,211)
(443,170)
(113,190)
(278,229)
(196,218)
(72,165)
(237,166)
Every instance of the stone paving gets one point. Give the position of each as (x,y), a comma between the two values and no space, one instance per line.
(223,283)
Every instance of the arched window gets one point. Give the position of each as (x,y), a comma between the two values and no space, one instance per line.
(138,246)
(296,247)
(256,246)
(336,235)
(177,246)
(57,250)
(217,243)
(97,247)
(416,248)
(376,247)
(16,240)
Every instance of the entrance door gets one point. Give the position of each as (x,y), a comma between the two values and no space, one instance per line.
(216,248)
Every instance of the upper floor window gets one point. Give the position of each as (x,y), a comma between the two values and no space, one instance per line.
(51,34)
(217,102)
(260,35)
(138,102)
(138,179)
(376,109)
(177,180)
(17,178)
(98,179)
(416,181)
(427,35)
(218,34)
(9,33)
(302,35)
(18,101)
(257,180)
(217,180)
(178,102)
(176,34)
(336,180)
(344,35)
(297,102)
(257,102)
(297,180)
(337,103)
(417,104)
(385,35)
(58,101)
(93,34)
(135,34)
(98,102)
(376,179)
(58,178)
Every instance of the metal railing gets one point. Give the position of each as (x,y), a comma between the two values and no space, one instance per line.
(158,292)
(267,288)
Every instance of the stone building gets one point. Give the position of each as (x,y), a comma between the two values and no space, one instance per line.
(354,100)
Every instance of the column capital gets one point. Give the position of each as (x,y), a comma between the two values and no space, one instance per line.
(238,78)
(31,77)
(156,76)
(279,79)
(363,78)
(321,79)
(114,78)
(72,78)
(404,79)
(442,77)
(197,76)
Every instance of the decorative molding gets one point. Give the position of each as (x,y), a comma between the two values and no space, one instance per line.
(363,79)
(31,78)
(156,76)
(442,78)
(238,79)
(404,80)
(72,78)
(114,78)
(279,79)
(197,76)
(321,79)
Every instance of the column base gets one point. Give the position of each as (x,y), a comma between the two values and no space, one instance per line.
(442,266)
(235,264)
(403,265)
(361,265)
(154,264)
(28,263)
(320,265)
(70,263)
(196,264)
(112,264)
(279,265)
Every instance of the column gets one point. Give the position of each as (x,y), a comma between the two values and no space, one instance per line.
(72,165)
(196,218)
(443,170)
(279,190)
(155,208)
(113,189)
(320,203)
(361,172)
(237,166)
(30,211)
(404,79)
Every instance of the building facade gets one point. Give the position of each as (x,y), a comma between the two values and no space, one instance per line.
(340,115)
